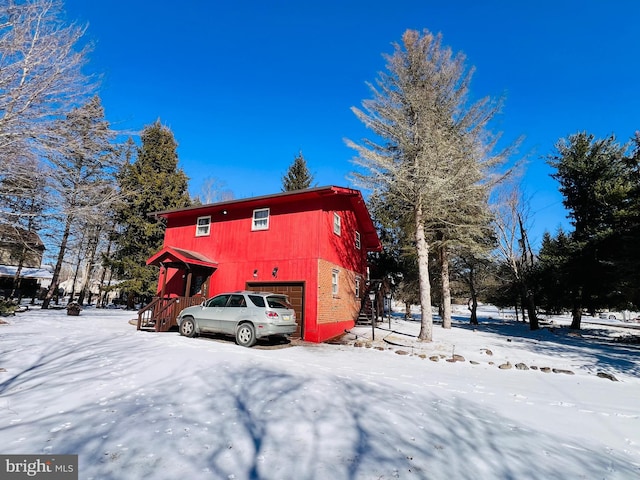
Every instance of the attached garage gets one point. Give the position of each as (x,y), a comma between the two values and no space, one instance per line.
(293,290)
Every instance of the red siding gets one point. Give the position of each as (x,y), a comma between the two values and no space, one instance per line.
(300,236)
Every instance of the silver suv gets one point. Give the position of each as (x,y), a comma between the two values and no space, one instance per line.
(246,315)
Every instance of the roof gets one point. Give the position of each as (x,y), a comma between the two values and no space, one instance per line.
(368,233)
(14,234)
(42,272)
(173,255)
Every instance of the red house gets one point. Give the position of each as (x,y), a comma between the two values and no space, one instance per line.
(309,244)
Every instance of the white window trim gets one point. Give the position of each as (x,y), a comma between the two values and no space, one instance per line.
(358,241)
(255,227)
(337,224)
(335,282)
(203,230)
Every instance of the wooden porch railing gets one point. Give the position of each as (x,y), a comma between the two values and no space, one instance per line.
(160,315)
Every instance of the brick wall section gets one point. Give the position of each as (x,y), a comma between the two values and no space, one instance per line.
(341,307)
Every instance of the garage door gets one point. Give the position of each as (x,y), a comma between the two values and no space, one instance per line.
(293,290)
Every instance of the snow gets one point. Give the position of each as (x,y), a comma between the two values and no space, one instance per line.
(157,405)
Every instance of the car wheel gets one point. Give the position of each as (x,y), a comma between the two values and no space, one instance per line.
(246,335)
(188,327)
(612,317)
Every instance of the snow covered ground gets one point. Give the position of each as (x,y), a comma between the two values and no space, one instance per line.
(137,405)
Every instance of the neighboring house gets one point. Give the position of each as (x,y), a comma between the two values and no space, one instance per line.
(309,244)
(21,252)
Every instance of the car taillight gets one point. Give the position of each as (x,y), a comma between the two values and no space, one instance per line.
(272,315)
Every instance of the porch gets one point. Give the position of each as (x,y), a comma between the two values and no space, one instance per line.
(160,315)
(184,282)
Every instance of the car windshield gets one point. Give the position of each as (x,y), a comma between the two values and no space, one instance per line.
(278,302)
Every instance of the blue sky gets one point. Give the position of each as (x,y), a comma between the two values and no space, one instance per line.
(244,85)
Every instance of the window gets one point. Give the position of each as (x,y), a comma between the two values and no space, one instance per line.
(260,219)
(219,301)
(237,301)
(334,281)
(203,225)
(358,244)
(357,287)
(337,224)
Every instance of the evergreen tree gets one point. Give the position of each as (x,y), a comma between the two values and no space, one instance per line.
(596,183)
(151,183)
(627,226)
(553,272)
(298,176)
(435,153)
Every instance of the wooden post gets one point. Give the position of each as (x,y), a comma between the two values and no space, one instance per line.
(164,280)
(187,289)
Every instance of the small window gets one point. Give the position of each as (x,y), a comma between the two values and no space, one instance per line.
(337,224)
(334,281)
(260,219)
(358,244)
(257,300)
(237,301)
(203,225)
(357,287)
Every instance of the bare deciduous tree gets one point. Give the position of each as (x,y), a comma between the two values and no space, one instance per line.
(40,75)
(82,176)
(510,219)
(214,190)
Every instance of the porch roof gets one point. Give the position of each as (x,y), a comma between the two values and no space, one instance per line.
(173,256)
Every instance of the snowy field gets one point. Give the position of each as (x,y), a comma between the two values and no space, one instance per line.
(137,405)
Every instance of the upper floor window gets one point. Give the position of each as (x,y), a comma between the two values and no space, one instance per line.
(337,224)
(260,219)
(358,244)
(203,225)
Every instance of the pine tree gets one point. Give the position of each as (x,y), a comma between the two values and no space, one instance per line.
(596,183)
(435,151)
(152,183)
(298,176)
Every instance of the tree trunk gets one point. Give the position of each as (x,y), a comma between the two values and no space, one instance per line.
(86,281)
(446,287)
(131,304)
(474,298)
(530,306)
(422,249)
(576,316)
(53,288)
(17,280)
(474,309)
(531,310)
